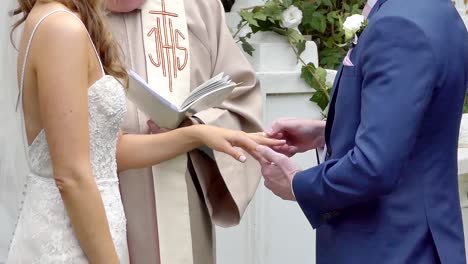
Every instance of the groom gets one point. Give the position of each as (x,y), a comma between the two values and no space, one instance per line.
(387,192)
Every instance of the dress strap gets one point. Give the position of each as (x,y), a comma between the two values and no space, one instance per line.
(28,47)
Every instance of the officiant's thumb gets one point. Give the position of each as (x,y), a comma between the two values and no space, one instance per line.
(154,128)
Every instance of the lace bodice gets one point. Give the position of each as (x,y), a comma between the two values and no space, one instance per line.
(107,106)
(44,233)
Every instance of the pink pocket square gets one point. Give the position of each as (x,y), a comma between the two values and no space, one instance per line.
(347,60)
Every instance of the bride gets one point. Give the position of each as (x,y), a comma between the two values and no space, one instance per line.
(72,103)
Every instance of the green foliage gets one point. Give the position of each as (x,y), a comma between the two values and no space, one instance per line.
(246,45)
(317,78)
(322,20)
(268,17)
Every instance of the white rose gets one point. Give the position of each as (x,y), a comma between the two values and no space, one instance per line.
(352,25)
(291,17)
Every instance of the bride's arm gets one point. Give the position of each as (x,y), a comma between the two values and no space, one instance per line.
(139,151)
(61,58)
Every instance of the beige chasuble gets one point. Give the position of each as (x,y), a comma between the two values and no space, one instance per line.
(172,207)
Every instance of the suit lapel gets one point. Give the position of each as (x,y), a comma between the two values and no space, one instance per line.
(376,8)
(331,108)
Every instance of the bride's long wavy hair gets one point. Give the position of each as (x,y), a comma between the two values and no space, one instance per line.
(92,14)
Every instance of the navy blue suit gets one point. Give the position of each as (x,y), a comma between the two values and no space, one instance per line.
(387,192)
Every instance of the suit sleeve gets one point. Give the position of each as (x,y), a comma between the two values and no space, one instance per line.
(228,185)
(399,75)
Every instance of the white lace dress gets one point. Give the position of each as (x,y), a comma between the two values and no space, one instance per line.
(44,233)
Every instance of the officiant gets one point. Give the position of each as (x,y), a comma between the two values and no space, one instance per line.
(171,208)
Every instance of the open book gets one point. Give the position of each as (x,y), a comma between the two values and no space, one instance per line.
(165,114)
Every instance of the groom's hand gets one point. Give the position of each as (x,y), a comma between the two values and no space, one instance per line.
(278,171)
(301,135)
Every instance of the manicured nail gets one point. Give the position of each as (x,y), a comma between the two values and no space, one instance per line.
(264,134)
(242,158)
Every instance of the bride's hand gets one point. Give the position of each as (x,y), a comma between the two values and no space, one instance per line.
(226,140)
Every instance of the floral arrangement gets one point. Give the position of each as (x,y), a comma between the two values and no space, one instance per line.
(322,20)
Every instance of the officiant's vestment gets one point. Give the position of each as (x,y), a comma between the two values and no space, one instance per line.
(170,214)
(387,192)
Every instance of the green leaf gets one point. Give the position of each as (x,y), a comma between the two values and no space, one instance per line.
(316,78)
(300,47)
(294,36)
(263,26)
(260,16)
(321,75)
(320,99)
(249,17)
(327,3)
(287,3)
(308,8)
(241,22)
(465,107)
(331,58)
(322,24)
(332,17)
(317,21)
(249,49)
(308,12)
(273,11)
(307,74)
(347,7)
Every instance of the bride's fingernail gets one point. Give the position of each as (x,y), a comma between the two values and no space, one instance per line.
(264,134)
(242,159)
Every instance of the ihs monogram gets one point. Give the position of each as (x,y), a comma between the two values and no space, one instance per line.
(167,41)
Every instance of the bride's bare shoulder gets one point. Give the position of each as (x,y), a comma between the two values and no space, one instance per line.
(57,28)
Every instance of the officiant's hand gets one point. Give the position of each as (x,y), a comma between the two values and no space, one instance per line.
(154,128)
(278,171)
(301,135)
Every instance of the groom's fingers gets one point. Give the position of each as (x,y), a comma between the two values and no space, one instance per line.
(278,135)
(281,125)
(286,150)
(285,164)
(260,159)
(272,155)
